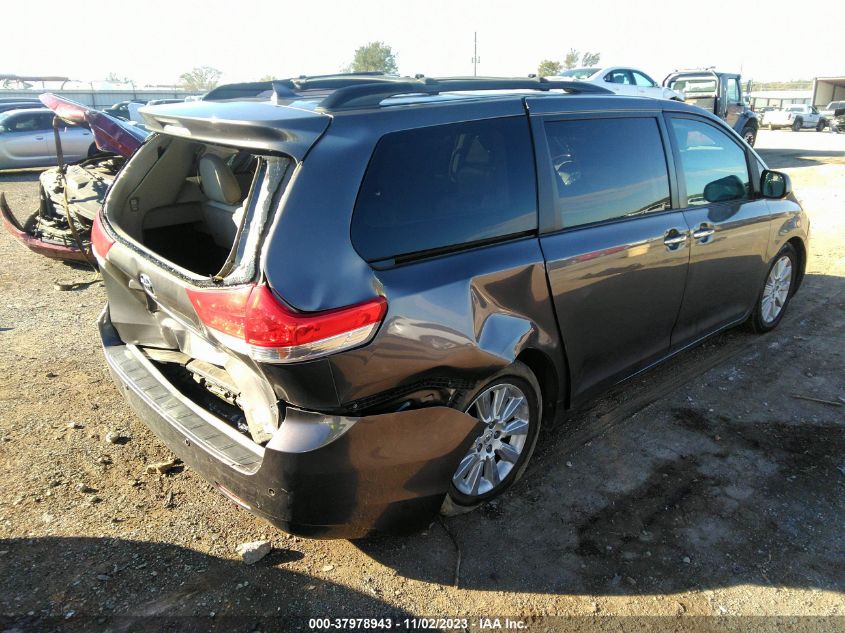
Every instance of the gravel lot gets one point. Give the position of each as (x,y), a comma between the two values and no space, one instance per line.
(704,488)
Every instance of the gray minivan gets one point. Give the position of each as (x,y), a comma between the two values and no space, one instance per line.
(347,300)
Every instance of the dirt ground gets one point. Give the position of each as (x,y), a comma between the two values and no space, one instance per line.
(703,488)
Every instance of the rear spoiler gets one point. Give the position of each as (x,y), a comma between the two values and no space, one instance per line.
(255,125)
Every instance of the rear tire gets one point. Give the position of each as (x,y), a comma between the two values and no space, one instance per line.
(496,459)
(796,125)
(777,290)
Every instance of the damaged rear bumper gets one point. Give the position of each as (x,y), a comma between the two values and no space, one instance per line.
(320,475)
(33,243)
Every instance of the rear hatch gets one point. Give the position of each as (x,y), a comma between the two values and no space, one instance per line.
(179,243)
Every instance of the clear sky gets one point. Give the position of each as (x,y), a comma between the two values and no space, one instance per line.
(154,41)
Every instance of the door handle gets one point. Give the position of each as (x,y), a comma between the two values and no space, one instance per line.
(703,232)
(39,138)
(674,238)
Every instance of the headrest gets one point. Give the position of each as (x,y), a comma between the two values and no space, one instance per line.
(218,181)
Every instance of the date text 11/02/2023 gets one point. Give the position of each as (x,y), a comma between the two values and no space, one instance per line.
(435,624)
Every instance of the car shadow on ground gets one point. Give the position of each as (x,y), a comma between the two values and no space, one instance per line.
(119,585)
(20,175)
(787,158)
(730,480)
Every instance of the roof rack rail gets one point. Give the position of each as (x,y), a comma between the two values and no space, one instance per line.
(284,88)
(372,93)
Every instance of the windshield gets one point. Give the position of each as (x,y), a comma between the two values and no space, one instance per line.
(694,86)
(580,73)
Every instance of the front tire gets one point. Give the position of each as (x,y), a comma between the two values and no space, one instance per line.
(777,290)
(749,133)
(508,411)
(820,126)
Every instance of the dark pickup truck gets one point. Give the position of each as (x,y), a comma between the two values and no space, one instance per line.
(719,93)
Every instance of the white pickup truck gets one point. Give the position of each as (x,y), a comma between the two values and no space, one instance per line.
(795,117)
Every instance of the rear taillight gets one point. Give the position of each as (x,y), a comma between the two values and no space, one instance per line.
(100,242)
(251,319)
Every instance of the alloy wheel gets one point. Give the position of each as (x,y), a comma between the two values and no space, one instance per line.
(503,415)
(776,290)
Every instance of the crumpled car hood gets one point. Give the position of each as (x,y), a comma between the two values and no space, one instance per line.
(110,134)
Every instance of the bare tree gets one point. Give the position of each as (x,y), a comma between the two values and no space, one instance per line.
(590,59)
(200,79)
(549,67)
(571,59)
(116,79)
(374,56)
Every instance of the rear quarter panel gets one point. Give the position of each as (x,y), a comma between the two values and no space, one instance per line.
(457,317)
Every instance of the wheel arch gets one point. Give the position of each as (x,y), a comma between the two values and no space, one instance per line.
(553,387)
(801,251)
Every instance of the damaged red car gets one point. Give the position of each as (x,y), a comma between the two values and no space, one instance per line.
(71,195)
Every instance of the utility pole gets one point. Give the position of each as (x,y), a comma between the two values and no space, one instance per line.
(475,58)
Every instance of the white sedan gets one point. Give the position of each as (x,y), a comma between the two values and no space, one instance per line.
(623,81)
(27,140)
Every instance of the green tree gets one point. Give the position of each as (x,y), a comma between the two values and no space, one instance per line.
(590,59)
(571,59)
(374,56)
(549,67)
(199,79)
(268,78)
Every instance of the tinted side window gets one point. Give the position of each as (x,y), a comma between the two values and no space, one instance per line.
(30,122)
(608,169)
(618,77)
(444,186)
(642,80)
(713,165)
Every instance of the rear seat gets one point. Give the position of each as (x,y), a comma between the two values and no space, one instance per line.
(223,210)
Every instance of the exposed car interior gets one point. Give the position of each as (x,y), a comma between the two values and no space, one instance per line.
(193,213)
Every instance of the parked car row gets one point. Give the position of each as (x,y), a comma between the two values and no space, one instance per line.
(27,139)
(625,81)
(71,195)
(796,117)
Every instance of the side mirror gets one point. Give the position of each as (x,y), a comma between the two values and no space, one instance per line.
(775,184)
